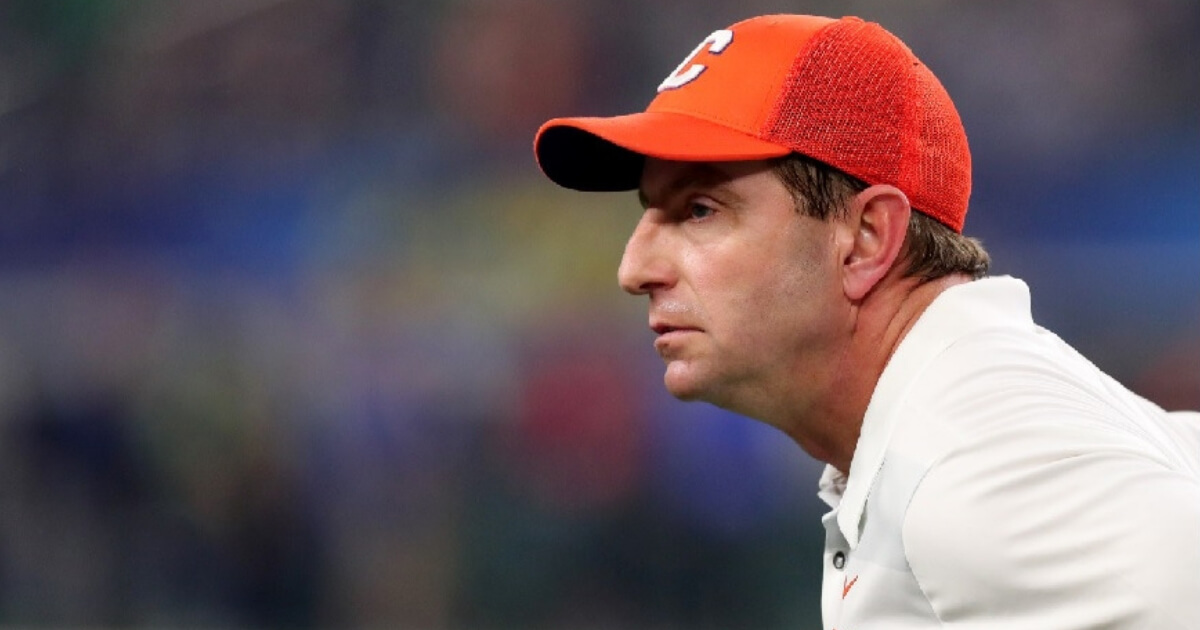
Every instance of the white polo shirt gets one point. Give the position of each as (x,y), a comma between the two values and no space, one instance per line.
(1001,481)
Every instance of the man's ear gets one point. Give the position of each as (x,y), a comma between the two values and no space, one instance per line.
(874,234)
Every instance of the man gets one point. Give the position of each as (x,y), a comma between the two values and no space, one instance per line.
(804,183)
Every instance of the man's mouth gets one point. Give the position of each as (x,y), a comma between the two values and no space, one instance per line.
(661,328)
(670,336)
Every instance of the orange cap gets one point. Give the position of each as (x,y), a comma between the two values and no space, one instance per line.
(844,92)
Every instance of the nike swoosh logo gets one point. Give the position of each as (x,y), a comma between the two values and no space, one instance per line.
(847,585)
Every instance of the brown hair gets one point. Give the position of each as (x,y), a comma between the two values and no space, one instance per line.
(931,250)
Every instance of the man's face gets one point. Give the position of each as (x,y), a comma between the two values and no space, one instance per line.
(745,294)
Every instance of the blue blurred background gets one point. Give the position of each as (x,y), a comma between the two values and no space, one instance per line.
(294,334)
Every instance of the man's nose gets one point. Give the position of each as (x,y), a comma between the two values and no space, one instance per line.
(645,265)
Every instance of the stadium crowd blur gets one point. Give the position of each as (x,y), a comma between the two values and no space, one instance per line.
(294,334)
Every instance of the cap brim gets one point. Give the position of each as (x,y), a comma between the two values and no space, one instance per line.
(607,154)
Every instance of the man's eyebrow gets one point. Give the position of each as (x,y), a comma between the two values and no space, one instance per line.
(700,174)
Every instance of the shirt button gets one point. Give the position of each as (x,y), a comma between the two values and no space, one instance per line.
(839,560)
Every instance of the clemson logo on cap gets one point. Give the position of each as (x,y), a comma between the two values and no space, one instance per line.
(686,72)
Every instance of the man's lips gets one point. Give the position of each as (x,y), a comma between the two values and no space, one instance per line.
(669,334)
(664,328)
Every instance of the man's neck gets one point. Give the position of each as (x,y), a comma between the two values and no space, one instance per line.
(831,428)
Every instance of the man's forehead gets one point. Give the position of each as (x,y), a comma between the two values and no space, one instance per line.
(663,178)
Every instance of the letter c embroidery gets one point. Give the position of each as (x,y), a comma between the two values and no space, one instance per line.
(716,43)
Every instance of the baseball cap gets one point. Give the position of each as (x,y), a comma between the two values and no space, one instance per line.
(845,92)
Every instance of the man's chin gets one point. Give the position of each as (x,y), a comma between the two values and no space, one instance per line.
(683,384)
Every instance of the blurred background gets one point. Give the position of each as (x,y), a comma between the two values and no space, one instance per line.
(294,334)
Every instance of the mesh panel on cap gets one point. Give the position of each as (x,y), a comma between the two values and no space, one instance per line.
(857,99)
(851,119)
(945,170)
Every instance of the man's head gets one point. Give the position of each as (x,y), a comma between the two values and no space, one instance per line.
(779,167)
(747,293)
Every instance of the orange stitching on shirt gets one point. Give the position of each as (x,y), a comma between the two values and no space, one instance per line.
(846,586)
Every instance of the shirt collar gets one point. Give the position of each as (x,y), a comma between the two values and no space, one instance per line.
(955,313)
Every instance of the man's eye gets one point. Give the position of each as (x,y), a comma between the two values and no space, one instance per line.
(699,210)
